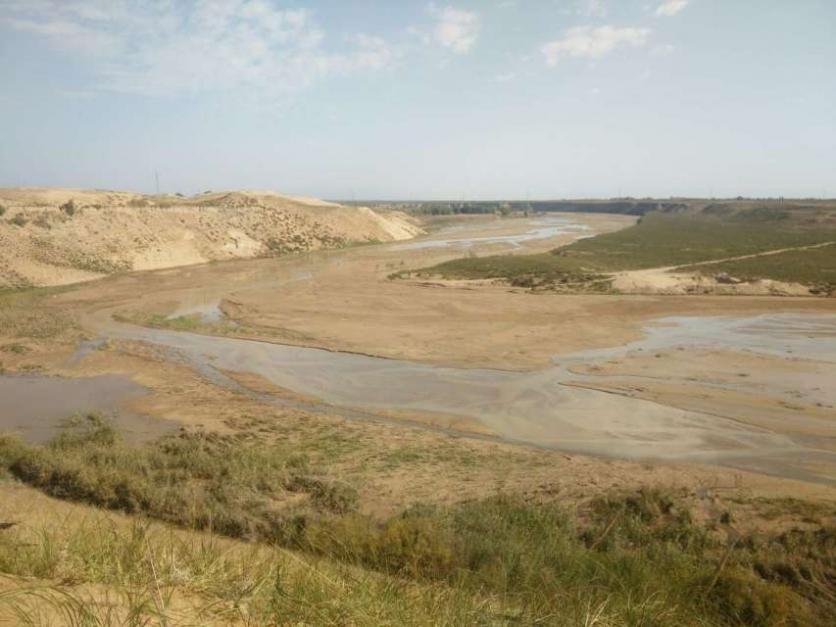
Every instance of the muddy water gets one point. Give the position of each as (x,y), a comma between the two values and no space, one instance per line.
(35,406)
(536,407)
(542,227)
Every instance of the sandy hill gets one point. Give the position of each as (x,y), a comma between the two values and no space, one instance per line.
(52,236)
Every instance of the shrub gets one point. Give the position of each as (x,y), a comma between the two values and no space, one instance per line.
(2,210)
(639,555)
(19,220)
(69,207)
(195,479)
(15,347)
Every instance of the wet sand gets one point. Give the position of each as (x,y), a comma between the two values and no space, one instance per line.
(35,406)
(569,409)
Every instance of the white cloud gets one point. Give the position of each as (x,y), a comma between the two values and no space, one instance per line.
(591,8)
(505,77)
(663,50)
(456,29)
(592,42)
(162,47)
(670,7)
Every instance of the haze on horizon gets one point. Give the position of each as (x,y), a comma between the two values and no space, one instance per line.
(416,100)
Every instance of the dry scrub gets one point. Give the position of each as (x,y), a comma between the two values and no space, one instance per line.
(623,558)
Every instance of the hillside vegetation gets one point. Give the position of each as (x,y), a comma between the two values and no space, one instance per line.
(623,558)
(676,240)
(57,236)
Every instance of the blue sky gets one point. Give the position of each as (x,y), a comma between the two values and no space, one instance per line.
(371,99)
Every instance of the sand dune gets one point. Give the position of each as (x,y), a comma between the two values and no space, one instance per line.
(53,236)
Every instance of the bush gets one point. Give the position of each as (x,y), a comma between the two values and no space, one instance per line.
(195,479)
(19,220)
(69,207)
(638,555)
(2,210)
(745,600)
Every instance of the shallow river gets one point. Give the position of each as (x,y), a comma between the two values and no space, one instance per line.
(36,406)
(533,407)
(536,407)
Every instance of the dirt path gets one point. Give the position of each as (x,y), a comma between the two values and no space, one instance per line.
(766,253)
(674,280)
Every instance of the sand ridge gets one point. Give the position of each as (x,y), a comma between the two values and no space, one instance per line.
(51,236)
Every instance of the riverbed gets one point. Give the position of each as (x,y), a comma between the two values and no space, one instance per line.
(626,377)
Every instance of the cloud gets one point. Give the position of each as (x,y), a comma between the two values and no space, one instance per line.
(591,8)
(505,77)
(456,29)
(163,47)
(663,50)
(592,42)
(670,7)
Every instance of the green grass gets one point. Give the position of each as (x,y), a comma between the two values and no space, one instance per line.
(146,574)
(815,266)
(194,479)
(520,270)
(628,558)
(657,240)
(190,322)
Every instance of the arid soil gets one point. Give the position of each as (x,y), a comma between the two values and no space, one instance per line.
(674,280)
(344,301)
(61,236)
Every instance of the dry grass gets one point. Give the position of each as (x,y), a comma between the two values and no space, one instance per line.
(624,558)
(23,314)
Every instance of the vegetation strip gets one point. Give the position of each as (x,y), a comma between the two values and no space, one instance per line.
(638,558)
(689,242)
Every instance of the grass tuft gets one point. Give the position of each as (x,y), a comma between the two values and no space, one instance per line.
(622,558)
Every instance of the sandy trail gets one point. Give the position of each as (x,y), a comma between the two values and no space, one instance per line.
(766,253)
(672,279)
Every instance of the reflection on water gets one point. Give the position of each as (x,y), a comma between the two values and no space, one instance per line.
(35,406)
(535,407)
(538,228)
(207,313)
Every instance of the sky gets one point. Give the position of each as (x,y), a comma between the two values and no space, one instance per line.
(398,99)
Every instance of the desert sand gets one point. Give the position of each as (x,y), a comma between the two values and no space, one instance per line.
(60,236)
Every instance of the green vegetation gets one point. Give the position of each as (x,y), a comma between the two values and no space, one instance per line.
(635,558)
(629,206)
(657,240)
(15,347)
(196,324)
(178,323)
(674,240)
(193,323)
(198,480)
(146,574)
(541,270)
(813,266)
